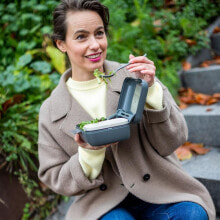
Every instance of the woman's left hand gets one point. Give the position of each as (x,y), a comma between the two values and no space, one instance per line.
(143,68)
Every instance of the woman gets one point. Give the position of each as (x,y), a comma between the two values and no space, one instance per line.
(139,178)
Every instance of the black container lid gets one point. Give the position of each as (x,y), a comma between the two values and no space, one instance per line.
(132,100)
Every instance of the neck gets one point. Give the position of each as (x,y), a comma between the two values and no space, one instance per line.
(83,76)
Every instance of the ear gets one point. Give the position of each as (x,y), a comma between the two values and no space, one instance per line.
(61,45)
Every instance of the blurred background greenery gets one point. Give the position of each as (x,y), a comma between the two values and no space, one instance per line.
(30,67)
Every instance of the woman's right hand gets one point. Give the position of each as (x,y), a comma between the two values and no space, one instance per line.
(85,145)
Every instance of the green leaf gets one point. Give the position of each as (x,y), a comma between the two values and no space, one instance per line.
(24,60)
(57,58)
(46,30)
(40,7)
(23,46)
(41,66)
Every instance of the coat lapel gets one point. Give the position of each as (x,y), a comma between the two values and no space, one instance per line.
(64,107)
(75,116)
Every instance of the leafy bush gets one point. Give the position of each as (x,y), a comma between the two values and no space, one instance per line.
(23,88)
(28,72)
(167,31)
(29,65)
(23,23)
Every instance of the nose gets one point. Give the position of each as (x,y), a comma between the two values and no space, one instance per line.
(93,43)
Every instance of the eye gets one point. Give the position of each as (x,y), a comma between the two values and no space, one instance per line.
(80,37)
(100,33)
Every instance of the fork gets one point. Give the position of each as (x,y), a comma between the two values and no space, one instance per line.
(115,71)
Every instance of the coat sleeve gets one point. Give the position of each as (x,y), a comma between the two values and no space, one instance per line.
(166,129)
(60,171)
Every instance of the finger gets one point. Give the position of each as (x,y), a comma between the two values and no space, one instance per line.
(76,137)
(148,72)
(141,68)
(141,59)
(145,66)
(79,141)
(131,56)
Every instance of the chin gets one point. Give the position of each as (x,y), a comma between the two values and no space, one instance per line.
(98,65)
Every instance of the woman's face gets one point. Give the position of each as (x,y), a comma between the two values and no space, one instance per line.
(85,44)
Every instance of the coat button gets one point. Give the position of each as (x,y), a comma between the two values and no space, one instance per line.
(146,177)
(103,187)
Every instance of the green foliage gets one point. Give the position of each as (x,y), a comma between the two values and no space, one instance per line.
(30,67)
(27,76)
(24,86)
(22,25)
(43,201)
(161,30)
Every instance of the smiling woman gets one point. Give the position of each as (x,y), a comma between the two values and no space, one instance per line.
(85,43)
(136,178)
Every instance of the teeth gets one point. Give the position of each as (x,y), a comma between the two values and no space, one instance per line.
(93,56)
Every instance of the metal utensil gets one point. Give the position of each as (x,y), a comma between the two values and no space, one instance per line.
(115,71)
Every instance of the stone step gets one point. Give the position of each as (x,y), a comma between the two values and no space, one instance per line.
(203,123)
(202,79)
(205,168)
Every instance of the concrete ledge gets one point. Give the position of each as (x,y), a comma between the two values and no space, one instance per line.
(203,80)
(205,168)
(203,125)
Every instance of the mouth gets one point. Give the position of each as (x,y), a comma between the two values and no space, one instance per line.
(94,57)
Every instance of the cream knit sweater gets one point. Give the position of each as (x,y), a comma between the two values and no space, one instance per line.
(91,95)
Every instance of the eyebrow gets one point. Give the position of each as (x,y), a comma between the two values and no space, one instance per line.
(85,31)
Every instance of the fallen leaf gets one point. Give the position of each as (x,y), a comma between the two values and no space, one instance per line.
(182,105)
(190,42)
(216,30)
(209,109)
(214,61)
(187,100)
(186,150)
(211,101)
(205,64)
(197,148)
(216,95)
(201,99)
(188,96)
(183,153)
(186,65)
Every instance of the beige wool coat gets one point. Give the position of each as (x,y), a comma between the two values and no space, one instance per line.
(144,165)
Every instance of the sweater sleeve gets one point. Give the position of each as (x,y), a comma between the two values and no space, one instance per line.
(91,161)
(155,97)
